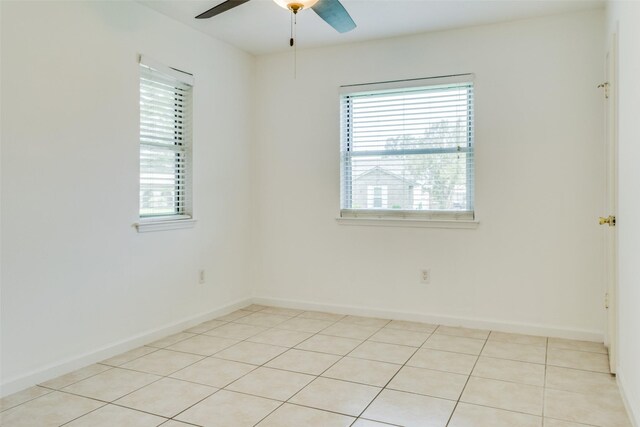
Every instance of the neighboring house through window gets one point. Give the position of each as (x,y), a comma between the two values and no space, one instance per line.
(378,188)
(407,149)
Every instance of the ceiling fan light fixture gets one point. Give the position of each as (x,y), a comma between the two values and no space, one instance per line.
(295,5)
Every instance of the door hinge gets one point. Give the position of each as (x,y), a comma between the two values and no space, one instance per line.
(605,86)
(611,220)
(606,300)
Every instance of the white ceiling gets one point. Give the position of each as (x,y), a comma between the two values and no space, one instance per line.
(260,26)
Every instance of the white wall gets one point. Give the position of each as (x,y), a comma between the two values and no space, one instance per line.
(625,15)
(1,363)
(78,281)
(535,261)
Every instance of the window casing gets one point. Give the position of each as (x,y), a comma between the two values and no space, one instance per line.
(414,142)
(165,143)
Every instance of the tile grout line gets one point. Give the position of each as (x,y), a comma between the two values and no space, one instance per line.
(342,357)
(256,366)
(183,422)
(204,357)
(288,348)
(394,375)
(284,402)
(467,382)
(153,382)
(317,376)
(512,411)
(121,366)
(224,387)
(544,384)
(80,416)
(49,391)
(112,402)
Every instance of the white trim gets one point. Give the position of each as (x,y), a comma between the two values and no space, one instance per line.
(440,319)
(405,84)
(164,97)
(183,76)
(408,214)
(632,411)
(403,222)
(13,385)
(145,226)
(349,144)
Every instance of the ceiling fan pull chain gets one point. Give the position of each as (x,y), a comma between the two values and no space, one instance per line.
(291,41)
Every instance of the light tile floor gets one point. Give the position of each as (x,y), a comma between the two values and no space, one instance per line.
(274,367)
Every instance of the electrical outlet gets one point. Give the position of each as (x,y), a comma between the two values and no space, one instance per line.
(425,276)
(201,277)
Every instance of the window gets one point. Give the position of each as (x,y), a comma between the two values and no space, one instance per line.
(407,149)
(377,196)
(165,142)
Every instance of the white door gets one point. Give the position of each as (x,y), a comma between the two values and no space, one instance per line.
(611,200)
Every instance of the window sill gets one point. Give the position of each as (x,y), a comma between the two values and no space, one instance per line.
(402,222)
(145,226)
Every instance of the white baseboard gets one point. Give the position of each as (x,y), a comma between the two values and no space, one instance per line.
(62,367)
(628,399)
(440,319)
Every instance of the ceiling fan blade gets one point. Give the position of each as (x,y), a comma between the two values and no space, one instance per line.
(222,7)
(334,14)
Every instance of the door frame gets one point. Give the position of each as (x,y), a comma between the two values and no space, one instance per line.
(611,199)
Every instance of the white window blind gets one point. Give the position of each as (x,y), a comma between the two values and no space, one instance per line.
(165,142)
(414,139)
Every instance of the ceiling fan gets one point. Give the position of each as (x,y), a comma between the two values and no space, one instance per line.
(331,11)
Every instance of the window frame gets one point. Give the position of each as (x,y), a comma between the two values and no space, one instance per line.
(180,218)
(437,218)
